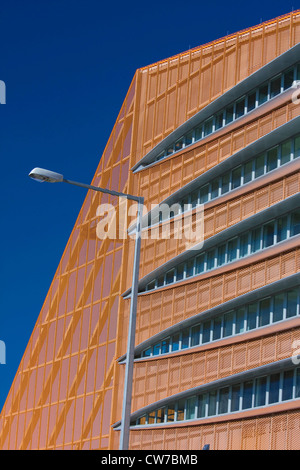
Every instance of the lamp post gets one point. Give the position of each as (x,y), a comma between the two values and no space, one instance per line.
(43,175)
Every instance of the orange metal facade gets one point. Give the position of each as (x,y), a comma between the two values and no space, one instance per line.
(67,392)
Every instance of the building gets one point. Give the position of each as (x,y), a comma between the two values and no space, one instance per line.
(217,335)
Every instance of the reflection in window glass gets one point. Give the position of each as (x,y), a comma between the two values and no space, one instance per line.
(221,255)
(165,346)
(180,272)
(232,249)
(208,125)
(198,133)
(151,417)
(251,317)
(236,177)
(189,138)
(185,338)
(262,94)
(288,79)
(191,408)
(259,166)
(180,410)
(160,415)
(206,332)
(235,398)
(202,405)
(228,324)
(217,326)
(225,183)
(282,225)
(212,403)
(255,240)
(292,300)
(272,157)
(190,268)
(215,188)
(296,223)
(247,395)
(170,276)
(219,121)
(278,306)
(286,151)
(287,385)
(204,194)
(240,108)
(156,349)
(223,400)
(268,234)
(297,387)
(297,147)
(171,413)
(160,281)
(229,114)
(211,259)
(261,388)
(240,321)
(251,101)
(248,172)
(200,264)
(195,335)
(244,245)
(175,342)
(275,87)
(264,312)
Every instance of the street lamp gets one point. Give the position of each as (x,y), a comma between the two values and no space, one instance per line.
(42,175)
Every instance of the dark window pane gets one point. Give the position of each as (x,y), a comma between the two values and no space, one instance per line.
(261,388)
(282,228)
(170,276)
(198,133)
(251,317)
(215,188)
(202,405)
(286,151)
(228,324)
(232,250)
(212,404)
(225,183)
(244,244)
(287,386)
(236,177)
(251,101)
(147,353)
(297,388)
(288,79)
(264,312)
(151,417)
(208,127)
(191,408)
(295,223)
(185,338)
(165,346)
(275,87)
(151,285)
(272,156)
(262,94)
(180,410)
(170,150)
(160,281)
(259,166)
(268,234)
(141,420)
(297,147)
(171,413)
(247,395)
(235,398)
(206,332)
(175,342)
(221,255)
(274,388)
(211,259)
(190,268)
(180,272)
(223,400)
(292,301)
(189,138)
(229,114)
(240,108)
(179,145)
(255,240)
(219,121)
(204,194)
(278,305)
(217,325)
(200,264)
(248,172)
(194,198)
(240,321)
(195,335)
(160,415)
(156,349)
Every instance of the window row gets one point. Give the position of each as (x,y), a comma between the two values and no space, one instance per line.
(272,309)
(238,176)
(247,243)
(236,110)
(262,391)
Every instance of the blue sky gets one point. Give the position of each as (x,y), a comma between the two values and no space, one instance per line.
(67,66)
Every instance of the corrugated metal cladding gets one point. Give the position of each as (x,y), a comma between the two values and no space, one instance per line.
(67,392)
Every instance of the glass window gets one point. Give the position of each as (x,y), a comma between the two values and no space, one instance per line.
(171,413)
(264,312)
(229,114)
(185,338)
(274,388)
(261,388)
(170,276)
(286,151)
(194,198)
(219,121)
(244,244)
(248,172)
(297,147)
(232,249)
(272,156)
(190,268)
(240,321)
(251,317)
(297,388)
(179,145)
(151,417)
(204,194)
(175,342)
(247,395)
(189,138)
(160,281)
(160,415)
(225,183)
(180,410)
(287,385)
(147,352)
(221,255)
(268,234)
(278,304)
(202,405)
(228,324)
(212,403)
(292,301)
(195,335)
(295,223)
(151,285)
(156,349)
(206,332)
(236,177)
(259,165)
(191,408)
(215,188)
(165,346)
(180,272)
(251,101)
(255,240)
(141,420)
(235,398)
(208,126)
(282,226)
(298,72)
(198,133)
(211,259)
(170,150)
(240,108)
(200,264)
(275,87)
(217,326)
(288,79)
(262,94)
(223,400)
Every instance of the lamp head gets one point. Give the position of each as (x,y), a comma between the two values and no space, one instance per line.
(41,175)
